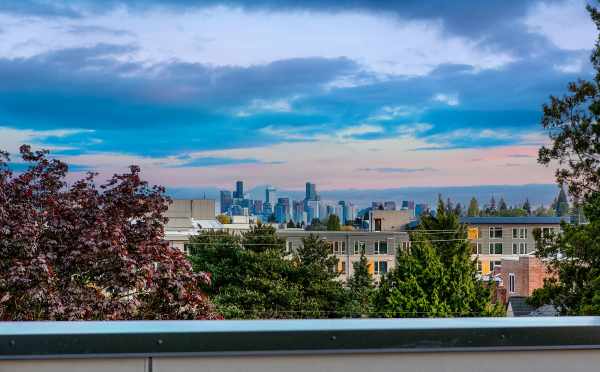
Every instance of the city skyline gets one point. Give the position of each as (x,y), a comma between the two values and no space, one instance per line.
(355,95)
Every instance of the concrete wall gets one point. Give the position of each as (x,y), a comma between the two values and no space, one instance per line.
(559,360)
(390,220)
(529,272)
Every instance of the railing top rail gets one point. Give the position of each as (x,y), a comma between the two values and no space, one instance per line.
(20,340)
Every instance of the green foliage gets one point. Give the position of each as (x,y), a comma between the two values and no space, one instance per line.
(527,207)
(316,225)
(333,223)
(573,125)
(361,287)
(435,278)
(253,277)
(291,224)
(574,258)
(473,210)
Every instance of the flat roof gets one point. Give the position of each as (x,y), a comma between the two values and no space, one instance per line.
(532,220)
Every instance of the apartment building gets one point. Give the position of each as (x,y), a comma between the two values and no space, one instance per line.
(380,247)
(507,237)
(389,220)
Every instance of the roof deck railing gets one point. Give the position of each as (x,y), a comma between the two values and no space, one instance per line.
(151,346)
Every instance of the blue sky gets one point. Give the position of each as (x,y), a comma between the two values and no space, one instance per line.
(348,94)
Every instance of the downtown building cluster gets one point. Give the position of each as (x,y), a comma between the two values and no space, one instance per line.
(283,209)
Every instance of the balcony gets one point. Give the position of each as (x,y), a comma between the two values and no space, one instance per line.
(468,344)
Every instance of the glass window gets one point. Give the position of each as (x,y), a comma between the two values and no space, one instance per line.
(343,268)
(289,246)
(523,233)
(523,248)
(496,232)
(515,249)
(511,283)
(479,266)
(495,248)
(381,267)
(381,247)
(342,247)
(494,264)
(479,248)
(359,247)
(515,233)
(547,231)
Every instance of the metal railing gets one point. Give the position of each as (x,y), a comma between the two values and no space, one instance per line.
(181,341)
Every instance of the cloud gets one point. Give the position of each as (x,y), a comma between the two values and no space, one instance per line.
(80,30)
(449,99)
(397,170)
(214,161)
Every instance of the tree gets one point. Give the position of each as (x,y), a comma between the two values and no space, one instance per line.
(84,251)
(271,218)
(573,125)
(317,273)
(574,253)
(527,207)
(502,207)
(254,276)
(573,257)
(291,224)
(316,225)
(249,273)
(562,203)
(437,277)
(458,210)
(473,210)
(361,287)
(333,223)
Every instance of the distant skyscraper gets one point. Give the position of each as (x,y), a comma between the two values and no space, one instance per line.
(389,205)
(257,207)
(226,201)
(282,210)
(298,211)
(270,195)
(408,204)
(420,209)
(311,191)
(239,190)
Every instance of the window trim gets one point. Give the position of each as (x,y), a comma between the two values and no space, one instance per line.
(512,283)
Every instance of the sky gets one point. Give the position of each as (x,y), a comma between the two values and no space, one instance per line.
(347,94)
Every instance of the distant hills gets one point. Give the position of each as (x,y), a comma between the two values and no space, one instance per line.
(513,194)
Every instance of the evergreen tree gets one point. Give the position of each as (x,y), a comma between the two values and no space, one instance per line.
(562,203)
(502,207)
(437,277)
(361,287)
(473,210)
(333,223)
(573,124)
(323,296)
(527,206)
(291,224)
(458,210)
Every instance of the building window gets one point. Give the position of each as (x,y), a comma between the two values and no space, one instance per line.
(494,264)
(406,245)
(547,231)
(479,266)
(511,283)
(359,247)
(520,233)
(339,247)
(381,247)
(495,248)
(479,248)
(496,232)
(342,267)
(523,248)
(515,249)
(289,246)
(381,267)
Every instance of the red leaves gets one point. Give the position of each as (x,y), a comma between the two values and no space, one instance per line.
(89,253)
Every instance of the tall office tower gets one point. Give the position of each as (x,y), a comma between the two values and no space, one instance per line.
(312,210)
(297,211)
(239,190)
(311,191)
(270,195)
(420,209)
(282,210)
(376,205)
(389,205)
(257,207)
(226,201)
(408,204)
